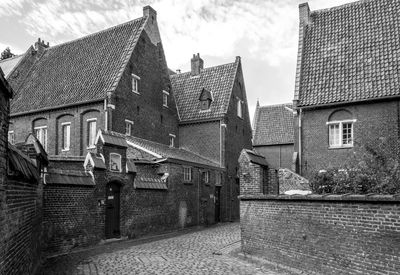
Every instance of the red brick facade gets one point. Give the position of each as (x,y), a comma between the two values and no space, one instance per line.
(323,235)
(374,121)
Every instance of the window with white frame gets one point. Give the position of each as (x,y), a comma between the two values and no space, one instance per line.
(115,162)
(165,98)
(187,174)
(41,135)
(91,132)
(218,178)
(128,127)
(11,137)
(341,133)
(172,140)
(135,83)
(239,108)
(66,135)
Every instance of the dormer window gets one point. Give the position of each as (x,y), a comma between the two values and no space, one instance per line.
(135,83)
(205,99)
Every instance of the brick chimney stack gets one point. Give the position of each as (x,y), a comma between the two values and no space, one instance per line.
(149,12)
(40,46)
(197,64)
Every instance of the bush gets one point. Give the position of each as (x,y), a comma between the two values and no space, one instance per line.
(376,169)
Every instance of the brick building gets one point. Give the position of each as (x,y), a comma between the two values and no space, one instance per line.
(273,135)
(347,82)
(103,107)
(20,199)
(214,121)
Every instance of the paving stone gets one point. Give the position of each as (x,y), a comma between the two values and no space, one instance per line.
(207,251)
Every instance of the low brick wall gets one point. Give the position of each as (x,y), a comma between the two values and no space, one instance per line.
(20,227)
(324,234)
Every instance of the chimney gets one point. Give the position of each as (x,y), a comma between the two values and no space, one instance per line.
(40,46)
(150,13)
(304,12)
(178,71)
(197,64)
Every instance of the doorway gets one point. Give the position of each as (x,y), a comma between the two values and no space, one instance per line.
(113,210)
(217,197)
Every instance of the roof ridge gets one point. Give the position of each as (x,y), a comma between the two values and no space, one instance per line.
(10,58)
(96,33)
(276,105)
(346,5)
(212,67)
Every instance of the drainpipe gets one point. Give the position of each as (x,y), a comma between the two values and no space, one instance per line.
(198,196)
(300,143)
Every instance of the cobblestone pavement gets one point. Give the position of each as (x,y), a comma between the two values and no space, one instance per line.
(208,251)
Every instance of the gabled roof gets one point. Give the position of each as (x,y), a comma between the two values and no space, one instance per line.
(218,80)
(78,71)
(156,150)
(9,64)
(273,125)
(351,53)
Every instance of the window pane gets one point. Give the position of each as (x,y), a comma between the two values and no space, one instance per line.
(334,135)
(92,132)
(347,134)
(66,136)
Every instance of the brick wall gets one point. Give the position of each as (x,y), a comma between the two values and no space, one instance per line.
(20,227)
(152,121)
(238,136)
(277,156)
(23,125)
(202,138)
(374,121)
(326,235)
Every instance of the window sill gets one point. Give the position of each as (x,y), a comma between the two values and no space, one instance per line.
(91,147)
(340,147)
(65,150)
(188,182)
(136,93)
(166,106)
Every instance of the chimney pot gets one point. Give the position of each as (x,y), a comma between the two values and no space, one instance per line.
(197,64)
(178,71)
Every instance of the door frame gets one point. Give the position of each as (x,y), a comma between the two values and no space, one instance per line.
(112,223)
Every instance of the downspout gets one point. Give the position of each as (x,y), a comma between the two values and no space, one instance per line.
(300,143)
(105,115)
(198,197)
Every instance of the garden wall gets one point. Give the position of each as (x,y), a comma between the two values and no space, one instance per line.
(334,234)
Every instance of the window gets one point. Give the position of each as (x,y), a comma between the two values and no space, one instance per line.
(41,135)
(239,108)
(172,140)
(206,176)
(340,133)
(128,127)
(91,132)
(205,104)
(135,83)
(66,135)
(187,174)
(165,98)
(115,162)
(11,137)
(218,178)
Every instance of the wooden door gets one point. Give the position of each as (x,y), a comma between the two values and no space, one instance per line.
(217,198)
(112,210)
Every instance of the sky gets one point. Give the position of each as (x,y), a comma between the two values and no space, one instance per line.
(264,33)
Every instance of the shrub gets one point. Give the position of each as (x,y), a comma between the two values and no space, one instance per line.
(375,168)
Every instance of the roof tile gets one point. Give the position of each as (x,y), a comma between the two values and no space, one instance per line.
(351,53)
(274,125)
(187,89)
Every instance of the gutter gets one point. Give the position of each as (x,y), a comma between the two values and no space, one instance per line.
(55,107)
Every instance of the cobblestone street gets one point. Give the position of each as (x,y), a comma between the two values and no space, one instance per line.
(207,251)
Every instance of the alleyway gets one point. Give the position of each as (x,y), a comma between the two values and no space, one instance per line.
(206,251)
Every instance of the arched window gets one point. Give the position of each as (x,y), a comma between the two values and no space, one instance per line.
(341,129)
